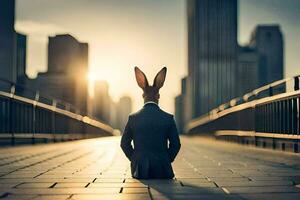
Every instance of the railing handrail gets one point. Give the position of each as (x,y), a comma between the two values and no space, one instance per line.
(53,106)
(38,92)
(232,103)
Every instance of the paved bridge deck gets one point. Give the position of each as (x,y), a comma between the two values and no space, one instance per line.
(97,169)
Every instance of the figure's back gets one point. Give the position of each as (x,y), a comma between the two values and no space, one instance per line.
(153,132)
(150,129)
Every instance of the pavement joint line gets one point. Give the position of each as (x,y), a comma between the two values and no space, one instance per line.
(225,190)
(53,185)
(180,182)
(18,185)
(208,179)
(70,197)
(216,184)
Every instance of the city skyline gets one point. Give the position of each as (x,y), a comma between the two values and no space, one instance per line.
(49,24)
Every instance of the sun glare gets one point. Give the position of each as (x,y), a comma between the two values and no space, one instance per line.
(109,74)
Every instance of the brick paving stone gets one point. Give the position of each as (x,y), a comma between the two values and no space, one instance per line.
(61,191)
(198,184)
(254,183)
(109,180)
(130,185)
(20,197)
(34,185)
(272,196)
(51,197)
(263,189)
(195,197)
(105,185)
(185,190)
(70,185)
(135,190)
(112,197)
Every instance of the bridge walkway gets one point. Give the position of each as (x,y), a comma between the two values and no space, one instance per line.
(97,169)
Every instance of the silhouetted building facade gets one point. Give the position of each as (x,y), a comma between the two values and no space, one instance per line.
(212,53)
(66,78)
(21,56)
(248,70)
(261,62)
(124,108)
(218,68)
(267,40)
(7,40)
(101,102)
(181,106)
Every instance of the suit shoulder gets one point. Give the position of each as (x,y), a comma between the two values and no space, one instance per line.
(169,115)
(132,115)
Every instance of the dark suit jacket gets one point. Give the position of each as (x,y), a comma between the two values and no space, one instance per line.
(156,142)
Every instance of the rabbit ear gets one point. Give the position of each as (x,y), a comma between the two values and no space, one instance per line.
(141,78)
(160,78)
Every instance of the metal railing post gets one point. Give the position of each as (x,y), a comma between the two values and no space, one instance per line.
(54,103)
(36,99)
(270,91)
(12,93)
(296,83)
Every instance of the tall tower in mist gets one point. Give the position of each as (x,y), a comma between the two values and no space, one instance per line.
(212,52)
(267,40)
(7,40)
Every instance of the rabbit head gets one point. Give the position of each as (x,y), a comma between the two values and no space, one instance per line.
(151,93)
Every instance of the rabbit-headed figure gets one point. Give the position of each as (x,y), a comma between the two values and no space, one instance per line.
(153,132)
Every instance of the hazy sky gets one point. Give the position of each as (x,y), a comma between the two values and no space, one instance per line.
(146,33)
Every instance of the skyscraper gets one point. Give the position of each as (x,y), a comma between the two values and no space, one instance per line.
(101,101)
(124,108)
(7,40)
(212,52)
(181,106)
(66,78)
(247,71)
(267,40)
(21,45)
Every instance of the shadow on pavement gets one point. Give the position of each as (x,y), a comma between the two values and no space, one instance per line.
(174,190)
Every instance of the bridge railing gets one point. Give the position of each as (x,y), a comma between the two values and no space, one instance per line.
(28,115)
(266,116)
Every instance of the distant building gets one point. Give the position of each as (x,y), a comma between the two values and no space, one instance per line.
(218,69)
(267,40)
(212,53)
(113,118)
(124,108)
(181,106)
(248,70)
(261,62)
(101,101)
(7,40)
(21,56)
(66,78)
